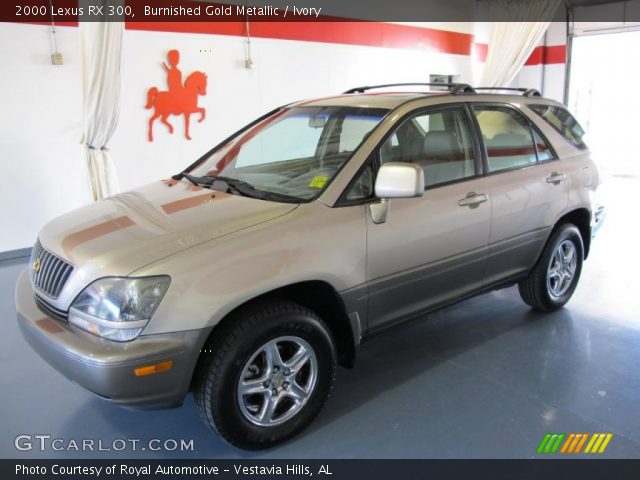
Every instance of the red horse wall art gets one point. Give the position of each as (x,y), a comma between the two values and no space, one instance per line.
(179,99)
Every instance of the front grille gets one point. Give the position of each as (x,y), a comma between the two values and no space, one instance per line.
(48,271)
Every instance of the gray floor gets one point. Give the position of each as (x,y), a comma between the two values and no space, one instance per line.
(485,378)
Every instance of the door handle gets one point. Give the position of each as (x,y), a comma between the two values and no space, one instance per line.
(473,199)
(556,178)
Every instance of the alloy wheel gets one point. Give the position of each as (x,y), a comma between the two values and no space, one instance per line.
(277,381)
(562,269)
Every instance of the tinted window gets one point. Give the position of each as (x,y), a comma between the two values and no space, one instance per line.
(295,152)
(290,138)
(437,141)
(507,137)
(354,129)
(363,187)
(563,122)
(543,149)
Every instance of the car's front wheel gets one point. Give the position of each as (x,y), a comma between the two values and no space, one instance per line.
(266,374)
(553,280)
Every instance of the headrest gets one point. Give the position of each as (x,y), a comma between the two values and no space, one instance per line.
(509,139)
(441,143)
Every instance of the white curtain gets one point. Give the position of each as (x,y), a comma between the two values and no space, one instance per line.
(512,39)
(101,64)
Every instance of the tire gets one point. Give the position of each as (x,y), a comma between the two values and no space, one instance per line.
(547,295)
(241,350)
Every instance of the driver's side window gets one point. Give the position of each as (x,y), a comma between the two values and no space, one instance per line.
(440,142)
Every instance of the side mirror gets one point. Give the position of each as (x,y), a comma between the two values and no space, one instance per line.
(395,180)
(399,180)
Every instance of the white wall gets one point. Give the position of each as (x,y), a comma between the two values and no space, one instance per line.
(41,166)
(39,132)
(548,79)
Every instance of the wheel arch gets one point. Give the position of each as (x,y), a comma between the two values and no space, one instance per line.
(581,218)
(318,296)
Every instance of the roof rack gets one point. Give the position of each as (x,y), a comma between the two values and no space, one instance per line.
(454,88)
(526,92)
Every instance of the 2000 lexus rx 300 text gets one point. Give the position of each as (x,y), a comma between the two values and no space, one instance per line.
(249,276)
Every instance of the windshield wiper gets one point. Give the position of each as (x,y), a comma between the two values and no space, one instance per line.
(234,183)
(192,179)
(245,188)
(274,196)
(241,187)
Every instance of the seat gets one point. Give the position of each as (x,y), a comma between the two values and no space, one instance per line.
(443,158)
(441,146)
(509,150)
(509,139)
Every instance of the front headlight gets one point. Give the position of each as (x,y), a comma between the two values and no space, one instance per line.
(118,308)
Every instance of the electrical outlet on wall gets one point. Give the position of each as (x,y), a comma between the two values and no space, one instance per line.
(56,58)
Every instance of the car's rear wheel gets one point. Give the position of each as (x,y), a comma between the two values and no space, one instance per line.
(269,372)
(553,280)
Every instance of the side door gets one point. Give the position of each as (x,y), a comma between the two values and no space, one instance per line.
(430,249)
(527,188)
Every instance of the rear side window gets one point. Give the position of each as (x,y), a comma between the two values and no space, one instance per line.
(507,137)
(563,122)
(543,149)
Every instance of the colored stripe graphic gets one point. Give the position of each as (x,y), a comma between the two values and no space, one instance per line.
(565,447)
(577,441)
(574,443)
(556,445)
(550,442)
(581,442)
(598,443)
(590,444)
(604,445)
(543,443)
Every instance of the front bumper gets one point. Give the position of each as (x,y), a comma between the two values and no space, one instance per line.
(106,368)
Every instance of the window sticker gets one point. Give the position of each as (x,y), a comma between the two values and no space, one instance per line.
(318,181)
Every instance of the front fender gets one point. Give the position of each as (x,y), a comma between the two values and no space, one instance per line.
(312,243)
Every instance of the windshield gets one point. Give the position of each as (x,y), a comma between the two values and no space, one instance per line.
(294,153)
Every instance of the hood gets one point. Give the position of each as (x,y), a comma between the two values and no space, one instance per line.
(125,232)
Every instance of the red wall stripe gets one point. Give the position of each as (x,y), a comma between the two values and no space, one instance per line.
(551,54)
(556,54)
(371,34)
(482,49)
(548,55)
(374,34)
